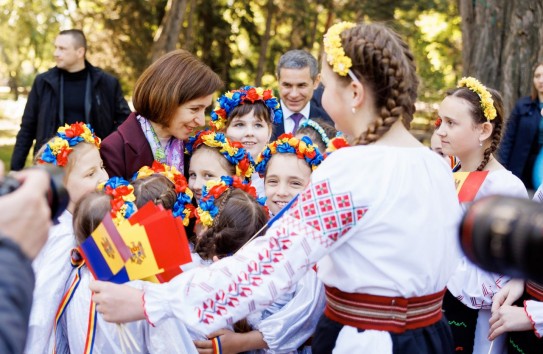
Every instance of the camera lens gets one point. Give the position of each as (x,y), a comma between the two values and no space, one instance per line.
(57,195)
(505,235)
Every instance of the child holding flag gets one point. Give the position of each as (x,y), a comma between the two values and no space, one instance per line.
(471,129)
(76,149)
(78,328)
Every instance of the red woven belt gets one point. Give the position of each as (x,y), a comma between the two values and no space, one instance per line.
(392,314)
(535,290)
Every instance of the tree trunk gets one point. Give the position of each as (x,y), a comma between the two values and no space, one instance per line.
(189,33)
(502,40)
(167,34)
(264,44)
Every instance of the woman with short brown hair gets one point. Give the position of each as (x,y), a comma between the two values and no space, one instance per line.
(170,99)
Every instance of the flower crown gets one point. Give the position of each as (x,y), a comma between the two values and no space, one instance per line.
(317,127)
(122,198)
(487,103)
(247,94)
(287,144)
(207,209)
(335,144)
(183,207)
(335,54)
(57,150)
(233,151)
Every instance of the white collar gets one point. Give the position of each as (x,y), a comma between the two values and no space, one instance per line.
(287,112)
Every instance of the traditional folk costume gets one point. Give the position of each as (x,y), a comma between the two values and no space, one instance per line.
(529,342)
(291,320)
(384,265)
(51,276)
(469,298)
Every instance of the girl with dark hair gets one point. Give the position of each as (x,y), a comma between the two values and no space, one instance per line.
(318,131)
(247,116)
(471,126)
(363,220)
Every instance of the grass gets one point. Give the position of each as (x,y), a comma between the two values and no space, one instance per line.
(5,155)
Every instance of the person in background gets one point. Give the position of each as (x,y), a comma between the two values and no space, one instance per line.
(73,91)
(521,148)
(298,76)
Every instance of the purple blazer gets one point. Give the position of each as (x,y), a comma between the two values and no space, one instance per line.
(126,150)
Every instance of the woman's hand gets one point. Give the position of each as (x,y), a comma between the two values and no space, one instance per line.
(508,319)
(117,303)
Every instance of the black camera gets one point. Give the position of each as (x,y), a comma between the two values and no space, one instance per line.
(505,235)
(57,195)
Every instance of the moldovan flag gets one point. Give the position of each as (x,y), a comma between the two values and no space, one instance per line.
(468,184)
(105,252)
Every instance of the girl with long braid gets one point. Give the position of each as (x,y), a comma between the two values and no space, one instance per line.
(470,127)
(363,220)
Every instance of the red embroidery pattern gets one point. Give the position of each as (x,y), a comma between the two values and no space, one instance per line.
(324,218)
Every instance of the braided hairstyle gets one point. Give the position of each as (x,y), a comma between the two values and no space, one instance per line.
(240,217)
(383,62)
(478,117)
(156,188)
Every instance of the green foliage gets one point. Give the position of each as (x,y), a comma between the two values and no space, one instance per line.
(225,34)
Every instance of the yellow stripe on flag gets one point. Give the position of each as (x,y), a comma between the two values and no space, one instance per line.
(107,248)
(142,262)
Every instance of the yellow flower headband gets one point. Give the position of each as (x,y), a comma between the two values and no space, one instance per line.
(335,54)
(487,103)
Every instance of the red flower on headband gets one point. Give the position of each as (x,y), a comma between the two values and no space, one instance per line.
(236,144)
(267,94)
(62,157)
(246,187)
(74,130)
(180,183)
(252,95)
(157,167)
(437,123)
(217,190)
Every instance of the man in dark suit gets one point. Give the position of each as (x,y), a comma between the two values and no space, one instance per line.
(298,76)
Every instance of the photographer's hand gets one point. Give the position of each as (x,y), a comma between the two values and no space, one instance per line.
(25,216)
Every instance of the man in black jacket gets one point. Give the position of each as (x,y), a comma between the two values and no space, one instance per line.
(73,91)
(25,218)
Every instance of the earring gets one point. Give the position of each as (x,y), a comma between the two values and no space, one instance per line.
(480,143)
(353,110)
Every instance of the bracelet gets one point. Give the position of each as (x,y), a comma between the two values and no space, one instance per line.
(217,349)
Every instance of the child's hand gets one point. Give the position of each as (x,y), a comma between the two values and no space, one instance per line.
(510,293)
(232,342)
(508,319)
(117,303)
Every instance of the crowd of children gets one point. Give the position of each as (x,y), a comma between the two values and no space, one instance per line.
(297,247)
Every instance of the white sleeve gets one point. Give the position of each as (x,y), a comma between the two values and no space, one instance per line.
(473,286)
(534,310)
(287,329)
(208,299)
